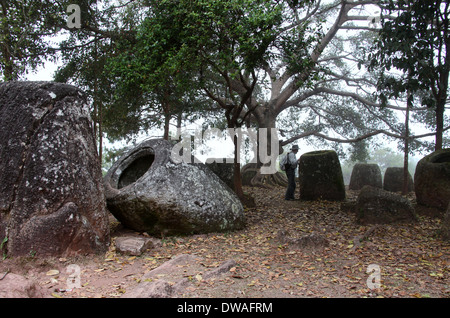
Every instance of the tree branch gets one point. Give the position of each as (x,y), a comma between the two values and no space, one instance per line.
(314,57)
(360,138)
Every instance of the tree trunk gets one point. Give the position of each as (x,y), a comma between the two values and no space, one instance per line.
(100,132)
(237,171)
(442,92)
(167,115)
(179,120)
(440,108)
(166,126)
(97,105)
(267,180)
(405,159)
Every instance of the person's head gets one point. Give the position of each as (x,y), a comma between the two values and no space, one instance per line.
(294,148)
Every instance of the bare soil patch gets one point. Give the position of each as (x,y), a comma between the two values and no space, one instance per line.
(413,261)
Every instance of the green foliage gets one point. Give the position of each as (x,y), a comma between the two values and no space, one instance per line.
(184,49)
(27,28)
(360,151)
(110,156)
(233,34)
(415,42)
(23,28)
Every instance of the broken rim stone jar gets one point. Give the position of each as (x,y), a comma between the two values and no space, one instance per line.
(148,191)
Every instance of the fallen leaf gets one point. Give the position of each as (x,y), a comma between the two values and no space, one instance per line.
(52,272)
(237,276)
(99,270)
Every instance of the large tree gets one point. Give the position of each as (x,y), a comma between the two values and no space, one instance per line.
(255,60)
(414,44)
(84,53)
(204,46)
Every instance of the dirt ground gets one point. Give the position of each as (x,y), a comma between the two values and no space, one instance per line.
(411,260)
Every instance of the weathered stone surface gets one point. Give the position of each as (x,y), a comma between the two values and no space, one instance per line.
(169,279)
(248,172)
(224,170)
(147,190)
(132,245)
(432,180)
(51,194)
(320,176)
(377,206)
(17,286)
(393,180)
(365,174)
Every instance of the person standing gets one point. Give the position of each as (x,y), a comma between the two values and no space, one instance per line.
(291,166)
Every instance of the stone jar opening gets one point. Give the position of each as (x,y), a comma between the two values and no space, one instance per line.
(134,167)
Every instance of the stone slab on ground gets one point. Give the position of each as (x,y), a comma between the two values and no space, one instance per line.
(171,278)
(17,286)
(131,245)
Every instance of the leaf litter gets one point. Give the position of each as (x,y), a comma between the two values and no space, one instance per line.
(413,261)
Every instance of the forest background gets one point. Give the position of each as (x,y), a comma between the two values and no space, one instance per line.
(346,75)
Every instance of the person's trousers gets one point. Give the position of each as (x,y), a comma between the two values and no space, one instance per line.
(290,173)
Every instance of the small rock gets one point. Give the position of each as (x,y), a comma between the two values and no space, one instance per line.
(156,289)
(365,174)
(17,286)
(131,245)
(223,268)
(393,180)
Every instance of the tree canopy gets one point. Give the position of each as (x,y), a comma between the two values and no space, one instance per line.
(291,65)
(24,27)
(415,41)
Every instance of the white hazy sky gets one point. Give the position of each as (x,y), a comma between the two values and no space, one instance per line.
(46,72)
(221,149)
